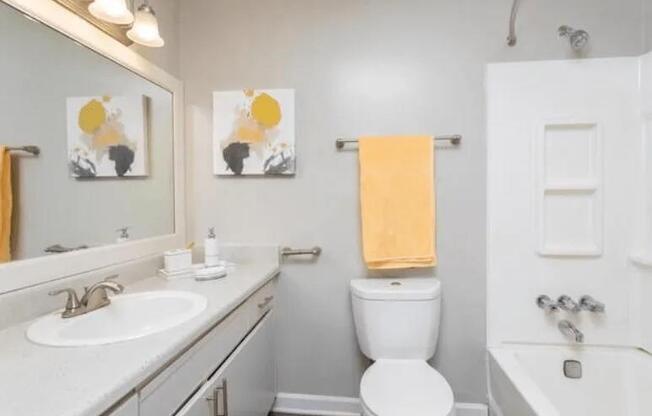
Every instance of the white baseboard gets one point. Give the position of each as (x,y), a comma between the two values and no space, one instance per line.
(308,404)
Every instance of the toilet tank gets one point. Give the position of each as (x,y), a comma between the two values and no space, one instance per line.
(397,318)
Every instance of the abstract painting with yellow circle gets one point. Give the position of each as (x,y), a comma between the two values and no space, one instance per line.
(107,136)
(253,132)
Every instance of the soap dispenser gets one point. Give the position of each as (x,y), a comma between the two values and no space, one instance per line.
(124,235)
(211,249)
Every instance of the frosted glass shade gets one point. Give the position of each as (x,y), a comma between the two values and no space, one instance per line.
(112,11)
(145,28)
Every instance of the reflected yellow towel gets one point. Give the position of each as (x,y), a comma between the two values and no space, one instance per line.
(397,201)
(6,205)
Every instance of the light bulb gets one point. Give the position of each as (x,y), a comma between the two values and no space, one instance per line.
(112,11)
(145,28)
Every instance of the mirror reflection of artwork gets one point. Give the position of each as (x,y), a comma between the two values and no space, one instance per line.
(253,132)
(107,136)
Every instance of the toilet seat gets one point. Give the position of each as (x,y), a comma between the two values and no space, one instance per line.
(405,387)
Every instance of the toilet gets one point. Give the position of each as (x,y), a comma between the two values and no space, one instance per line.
(397,324)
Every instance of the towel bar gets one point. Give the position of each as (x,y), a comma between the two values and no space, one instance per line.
(34,150)
(287,251)
(454,139)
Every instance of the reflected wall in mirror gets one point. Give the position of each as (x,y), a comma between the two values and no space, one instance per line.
(54,207)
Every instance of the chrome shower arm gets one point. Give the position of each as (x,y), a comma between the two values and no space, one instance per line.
(511,38)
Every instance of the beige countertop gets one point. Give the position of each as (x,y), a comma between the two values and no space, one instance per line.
(74,381)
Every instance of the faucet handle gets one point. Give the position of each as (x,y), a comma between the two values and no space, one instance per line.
(587,303)
(72,303)
(566,303)
(545,303)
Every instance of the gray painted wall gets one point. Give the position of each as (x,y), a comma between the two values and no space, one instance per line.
(364,67)
(167,57)
(647,29)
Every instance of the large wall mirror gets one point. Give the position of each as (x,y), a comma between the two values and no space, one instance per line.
(91,142)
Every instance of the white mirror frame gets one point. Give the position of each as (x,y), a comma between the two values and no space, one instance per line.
(30,272)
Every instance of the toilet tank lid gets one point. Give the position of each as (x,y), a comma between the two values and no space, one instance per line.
(396,289)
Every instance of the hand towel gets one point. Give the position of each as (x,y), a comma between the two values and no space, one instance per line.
(6,205)
(397,188)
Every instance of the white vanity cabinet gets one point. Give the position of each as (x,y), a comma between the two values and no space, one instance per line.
(245,385)
(239,352)
(128,408)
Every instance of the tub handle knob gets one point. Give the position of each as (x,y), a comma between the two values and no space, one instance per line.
(587,303)
(544,302)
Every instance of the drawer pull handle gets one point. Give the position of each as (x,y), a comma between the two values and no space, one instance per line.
(217,392)
(266,302)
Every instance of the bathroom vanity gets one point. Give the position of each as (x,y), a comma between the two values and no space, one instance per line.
(163,347)
(221,361)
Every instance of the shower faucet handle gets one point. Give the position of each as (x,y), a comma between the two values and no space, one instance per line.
(566,303)
(587,303)
(544,302)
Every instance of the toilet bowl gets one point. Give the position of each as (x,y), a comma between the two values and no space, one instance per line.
(405,387)
(397,324)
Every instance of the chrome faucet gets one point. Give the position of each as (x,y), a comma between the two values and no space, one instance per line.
(566,303)
(567,328)
(587,303)
(95,297)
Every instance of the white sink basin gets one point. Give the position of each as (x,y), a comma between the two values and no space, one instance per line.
(127,317)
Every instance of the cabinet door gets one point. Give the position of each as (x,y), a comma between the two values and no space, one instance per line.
(245,385)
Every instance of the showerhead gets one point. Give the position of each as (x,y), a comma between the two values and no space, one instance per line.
(577,38)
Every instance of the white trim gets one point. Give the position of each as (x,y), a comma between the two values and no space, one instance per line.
(31,272)
(315,405)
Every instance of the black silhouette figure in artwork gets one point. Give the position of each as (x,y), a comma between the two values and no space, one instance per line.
(123,157)
(234,155)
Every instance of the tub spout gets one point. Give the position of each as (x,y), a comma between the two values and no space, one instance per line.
(567,328)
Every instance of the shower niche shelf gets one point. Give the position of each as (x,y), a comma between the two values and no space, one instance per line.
(569,194)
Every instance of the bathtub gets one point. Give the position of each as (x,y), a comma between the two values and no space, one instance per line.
(529,380)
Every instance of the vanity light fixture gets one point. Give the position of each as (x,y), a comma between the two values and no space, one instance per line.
(112,11)
(145,28)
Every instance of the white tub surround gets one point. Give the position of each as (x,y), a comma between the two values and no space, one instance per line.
(529,380)
(569,201)
(75,381)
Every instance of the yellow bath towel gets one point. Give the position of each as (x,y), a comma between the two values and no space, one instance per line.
(6,205)
(397,202)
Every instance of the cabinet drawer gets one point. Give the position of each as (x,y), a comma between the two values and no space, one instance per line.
(166,392)
(262,302)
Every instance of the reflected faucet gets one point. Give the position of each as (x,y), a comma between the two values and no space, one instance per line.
(95,297)
(567,328)
(58,249)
